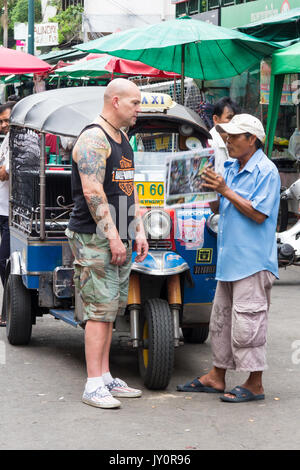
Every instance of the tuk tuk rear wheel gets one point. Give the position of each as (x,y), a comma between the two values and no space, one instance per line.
(156,353)
(196,335)
(18,311)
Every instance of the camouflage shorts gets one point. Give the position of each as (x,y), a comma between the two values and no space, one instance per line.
(103,286)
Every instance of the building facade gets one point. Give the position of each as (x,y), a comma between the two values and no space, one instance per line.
(233,13)
(109,16)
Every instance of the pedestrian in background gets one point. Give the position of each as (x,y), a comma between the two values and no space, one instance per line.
(223,112)
(5,112)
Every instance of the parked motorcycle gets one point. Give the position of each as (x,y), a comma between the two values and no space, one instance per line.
(288,241)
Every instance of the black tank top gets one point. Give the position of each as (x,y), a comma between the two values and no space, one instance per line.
(118,186)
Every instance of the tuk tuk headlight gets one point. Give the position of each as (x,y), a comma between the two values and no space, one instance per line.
(213,223)
(157,224)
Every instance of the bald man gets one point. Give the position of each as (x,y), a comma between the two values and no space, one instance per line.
(102,225)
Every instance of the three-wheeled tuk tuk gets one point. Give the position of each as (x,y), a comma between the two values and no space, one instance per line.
(171,292)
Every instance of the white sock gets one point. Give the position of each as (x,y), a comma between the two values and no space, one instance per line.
(107,378)
(93,383)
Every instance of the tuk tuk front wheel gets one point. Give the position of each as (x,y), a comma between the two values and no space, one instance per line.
(196,335)
(156,353)
(18,311)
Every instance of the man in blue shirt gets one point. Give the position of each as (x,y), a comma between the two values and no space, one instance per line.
(247,261)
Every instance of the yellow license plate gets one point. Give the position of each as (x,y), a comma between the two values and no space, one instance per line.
(150,193)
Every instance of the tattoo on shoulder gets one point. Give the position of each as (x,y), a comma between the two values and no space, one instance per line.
(92,151)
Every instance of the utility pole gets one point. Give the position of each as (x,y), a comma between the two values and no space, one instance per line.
(31,27)
(5,24)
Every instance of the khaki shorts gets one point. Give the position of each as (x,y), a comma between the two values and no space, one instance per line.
(238,324)
(103,286)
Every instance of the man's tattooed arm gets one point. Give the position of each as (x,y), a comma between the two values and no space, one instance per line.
(90,154)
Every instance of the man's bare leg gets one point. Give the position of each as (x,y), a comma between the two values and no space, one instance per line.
(96,336)
(105,359)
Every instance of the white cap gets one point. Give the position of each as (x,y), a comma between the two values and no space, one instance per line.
(242,123)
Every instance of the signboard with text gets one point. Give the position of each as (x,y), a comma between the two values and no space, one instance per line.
(243,14)
(45,34)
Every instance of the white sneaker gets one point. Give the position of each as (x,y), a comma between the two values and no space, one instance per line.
(101,398)
(119,388)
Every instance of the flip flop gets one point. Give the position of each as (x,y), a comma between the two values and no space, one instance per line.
(196,386)
(242,395)
(2,323)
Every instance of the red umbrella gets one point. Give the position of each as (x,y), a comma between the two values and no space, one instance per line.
(16,62)
(132,67)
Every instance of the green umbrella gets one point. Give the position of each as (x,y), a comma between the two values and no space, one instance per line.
(86,68)
(189,47)
(282,27)
(67,55)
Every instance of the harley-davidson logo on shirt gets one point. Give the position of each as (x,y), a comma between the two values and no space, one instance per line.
(124,176)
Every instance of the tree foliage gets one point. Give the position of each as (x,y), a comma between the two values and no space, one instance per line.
(69,22)
(10,4)
(19,13)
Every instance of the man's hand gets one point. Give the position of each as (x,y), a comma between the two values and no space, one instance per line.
(118,251)
(217,183)
(141,249)
(3,175)
(140,237)
(214,181)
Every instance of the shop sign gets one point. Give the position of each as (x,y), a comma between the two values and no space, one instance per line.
(45,34)
(249,12)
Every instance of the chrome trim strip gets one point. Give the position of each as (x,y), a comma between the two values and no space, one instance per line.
(16,263)
(160,272)
(35,241)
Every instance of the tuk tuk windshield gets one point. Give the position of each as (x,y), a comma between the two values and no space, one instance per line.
(150,166)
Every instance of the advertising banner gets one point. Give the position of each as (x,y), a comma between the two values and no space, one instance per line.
(289,85)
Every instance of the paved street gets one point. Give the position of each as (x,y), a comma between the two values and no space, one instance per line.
(41,386)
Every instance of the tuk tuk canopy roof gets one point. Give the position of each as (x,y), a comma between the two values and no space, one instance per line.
(284,61)
(66,111)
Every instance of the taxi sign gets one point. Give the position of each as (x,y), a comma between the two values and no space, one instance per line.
(156,102)
(150,193)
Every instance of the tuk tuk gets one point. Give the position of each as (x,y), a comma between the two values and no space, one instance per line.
(171,292)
